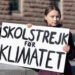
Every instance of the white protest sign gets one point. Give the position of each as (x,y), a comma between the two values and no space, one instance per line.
(37,47)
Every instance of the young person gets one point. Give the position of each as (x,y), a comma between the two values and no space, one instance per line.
(52,18)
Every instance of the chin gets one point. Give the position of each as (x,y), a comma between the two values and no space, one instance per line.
(54,25)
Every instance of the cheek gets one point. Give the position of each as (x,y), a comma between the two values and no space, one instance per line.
(58,19)
(49,19)
(49,22)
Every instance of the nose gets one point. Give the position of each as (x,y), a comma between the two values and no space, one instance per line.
(55,18)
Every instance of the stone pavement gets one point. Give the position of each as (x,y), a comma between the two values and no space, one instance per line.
(13,70)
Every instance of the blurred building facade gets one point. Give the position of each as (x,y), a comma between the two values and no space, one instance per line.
(32,11)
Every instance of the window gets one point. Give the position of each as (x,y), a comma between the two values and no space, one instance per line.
(59,3)
(16,6)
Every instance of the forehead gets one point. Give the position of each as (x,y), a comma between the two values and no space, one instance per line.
(53,12)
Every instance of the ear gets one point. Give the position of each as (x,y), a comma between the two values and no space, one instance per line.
(45,17)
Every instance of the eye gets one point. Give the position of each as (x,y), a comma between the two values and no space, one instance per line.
(52,16)
(57,16)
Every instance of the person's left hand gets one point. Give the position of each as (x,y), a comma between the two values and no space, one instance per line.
(66,48)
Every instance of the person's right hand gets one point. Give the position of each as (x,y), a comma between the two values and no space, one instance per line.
(29,25)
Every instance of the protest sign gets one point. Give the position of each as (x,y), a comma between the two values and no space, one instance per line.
(37,47)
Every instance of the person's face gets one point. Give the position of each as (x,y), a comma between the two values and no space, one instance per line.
(53,18)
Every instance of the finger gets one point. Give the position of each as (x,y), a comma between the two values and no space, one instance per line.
(66,49)
(29,25)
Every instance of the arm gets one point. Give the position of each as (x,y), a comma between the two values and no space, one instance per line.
(29,25)
(71,53)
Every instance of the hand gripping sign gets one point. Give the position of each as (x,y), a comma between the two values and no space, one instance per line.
(37,47)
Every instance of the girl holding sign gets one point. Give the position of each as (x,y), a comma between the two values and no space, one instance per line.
(53,18)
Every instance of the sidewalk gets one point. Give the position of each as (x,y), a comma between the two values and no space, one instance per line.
(13,70)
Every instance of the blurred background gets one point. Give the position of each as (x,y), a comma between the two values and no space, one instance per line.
(32,11)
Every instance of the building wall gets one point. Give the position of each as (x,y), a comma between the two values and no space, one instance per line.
(33,12)
(69,13)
